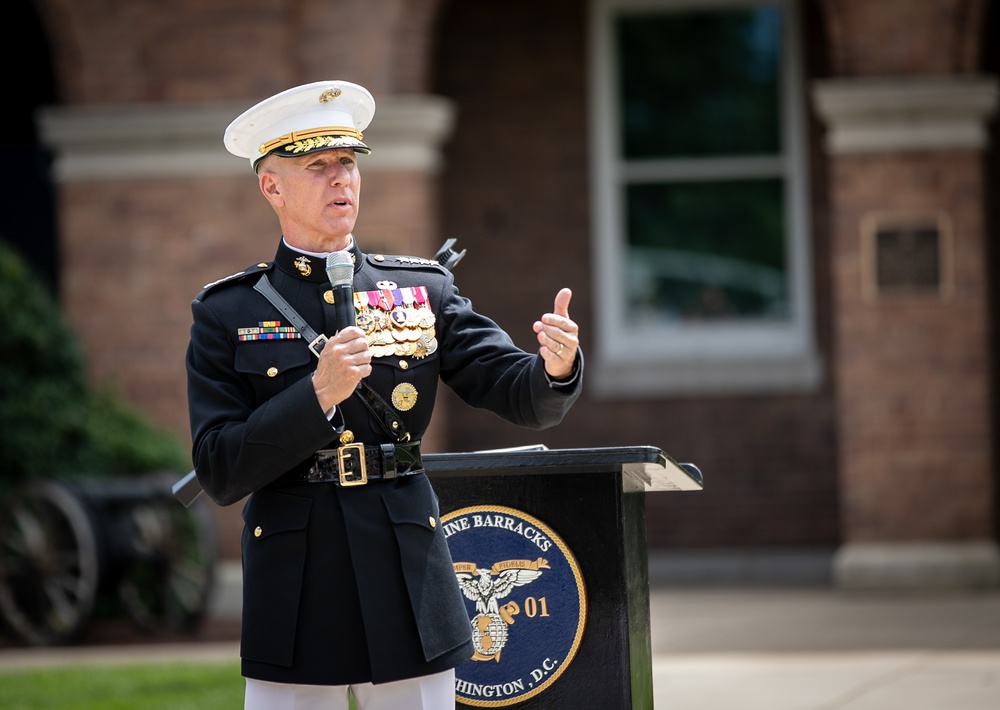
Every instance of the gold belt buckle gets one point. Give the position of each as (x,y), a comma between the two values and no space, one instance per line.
(344,453)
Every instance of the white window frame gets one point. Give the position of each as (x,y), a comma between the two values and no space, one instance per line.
(656,359)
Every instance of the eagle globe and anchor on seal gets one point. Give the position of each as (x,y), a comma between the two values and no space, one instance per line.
(485,587)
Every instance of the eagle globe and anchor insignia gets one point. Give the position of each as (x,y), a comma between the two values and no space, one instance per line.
(526,600)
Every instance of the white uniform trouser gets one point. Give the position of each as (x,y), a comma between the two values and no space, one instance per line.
(429,692)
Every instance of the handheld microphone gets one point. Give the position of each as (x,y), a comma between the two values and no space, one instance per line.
(340,271)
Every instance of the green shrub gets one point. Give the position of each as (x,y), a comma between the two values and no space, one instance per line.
(51,423)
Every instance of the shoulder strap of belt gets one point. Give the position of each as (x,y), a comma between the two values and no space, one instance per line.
(316,340)
(379,408)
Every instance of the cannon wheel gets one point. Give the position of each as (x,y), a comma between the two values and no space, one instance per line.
(49,566)
(167,585)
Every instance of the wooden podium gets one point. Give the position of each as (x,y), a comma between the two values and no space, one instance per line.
(550,547)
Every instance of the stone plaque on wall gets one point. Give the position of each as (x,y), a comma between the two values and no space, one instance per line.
(906,255)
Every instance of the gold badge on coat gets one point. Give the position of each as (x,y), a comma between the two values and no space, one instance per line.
(404,396)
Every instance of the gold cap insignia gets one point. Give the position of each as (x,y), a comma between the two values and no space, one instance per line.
(329,95)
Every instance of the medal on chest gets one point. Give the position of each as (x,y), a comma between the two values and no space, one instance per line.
(397,321)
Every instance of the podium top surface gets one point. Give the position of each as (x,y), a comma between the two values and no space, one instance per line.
(645,468)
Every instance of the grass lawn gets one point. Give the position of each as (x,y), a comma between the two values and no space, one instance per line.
(206,686)
(166,686)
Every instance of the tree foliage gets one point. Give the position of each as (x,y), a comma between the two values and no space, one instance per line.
(51,423)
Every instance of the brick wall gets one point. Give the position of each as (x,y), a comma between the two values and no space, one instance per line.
(904,37)
(134,256)
(913,369)
(193,50)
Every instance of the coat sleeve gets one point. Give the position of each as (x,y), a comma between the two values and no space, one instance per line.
(239,446)
(487,370)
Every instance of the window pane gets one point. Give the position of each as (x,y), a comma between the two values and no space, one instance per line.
(700,250)
(700,83)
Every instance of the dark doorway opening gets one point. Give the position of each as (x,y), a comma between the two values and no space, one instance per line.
(29,222)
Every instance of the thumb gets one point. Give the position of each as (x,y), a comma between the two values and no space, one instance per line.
(562,302)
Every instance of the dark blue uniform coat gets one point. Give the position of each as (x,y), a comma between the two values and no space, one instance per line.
(342,584)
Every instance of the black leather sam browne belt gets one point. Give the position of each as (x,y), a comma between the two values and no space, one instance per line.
(357,464)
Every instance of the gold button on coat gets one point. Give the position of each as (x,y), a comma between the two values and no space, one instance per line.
(433,522)
(328,296)
(272,371)
(257,532)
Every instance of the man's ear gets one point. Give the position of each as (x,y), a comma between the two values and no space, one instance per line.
(270,188)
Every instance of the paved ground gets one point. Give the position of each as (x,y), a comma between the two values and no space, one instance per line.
(745,649)
(815,649)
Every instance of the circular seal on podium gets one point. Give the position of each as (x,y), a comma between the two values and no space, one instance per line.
(526,600)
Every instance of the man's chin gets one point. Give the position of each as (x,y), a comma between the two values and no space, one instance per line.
(340,228)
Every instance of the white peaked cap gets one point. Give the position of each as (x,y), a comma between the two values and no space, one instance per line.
(304,119)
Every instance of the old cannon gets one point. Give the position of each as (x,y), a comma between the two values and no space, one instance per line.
(69,549)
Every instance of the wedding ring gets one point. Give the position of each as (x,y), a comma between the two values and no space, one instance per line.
(561,346)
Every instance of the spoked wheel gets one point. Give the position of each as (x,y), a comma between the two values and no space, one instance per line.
(49,566)
(167,584)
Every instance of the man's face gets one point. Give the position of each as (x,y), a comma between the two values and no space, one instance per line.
(316,196)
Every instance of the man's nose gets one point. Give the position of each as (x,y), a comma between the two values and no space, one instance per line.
(339,175)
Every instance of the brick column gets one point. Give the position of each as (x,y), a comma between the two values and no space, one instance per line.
(911,355)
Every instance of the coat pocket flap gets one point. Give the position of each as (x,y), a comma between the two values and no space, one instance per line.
(266,357)
(413,504)
(269,513)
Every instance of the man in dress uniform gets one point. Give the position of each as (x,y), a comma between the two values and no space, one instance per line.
(348,585)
